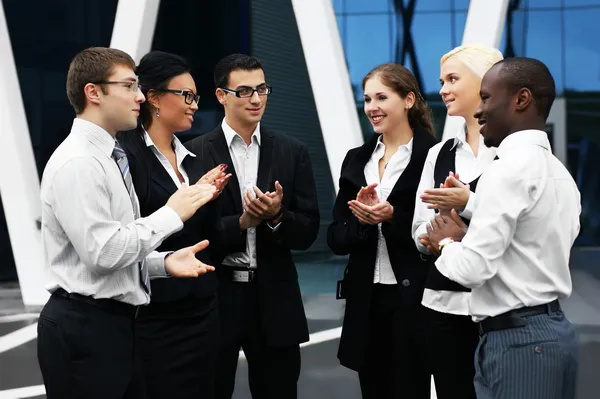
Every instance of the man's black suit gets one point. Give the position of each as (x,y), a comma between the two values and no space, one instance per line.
(382,330)
(265,317)
(178,331)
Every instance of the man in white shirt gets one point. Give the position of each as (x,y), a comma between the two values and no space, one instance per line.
(99,254)
(515,254)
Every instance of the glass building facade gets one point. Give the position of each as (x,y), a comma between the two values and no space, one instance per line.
(561,33)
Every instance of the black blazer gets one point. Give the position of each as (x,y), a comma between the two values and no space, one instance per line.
(285,159)
(203,225)
(347,236)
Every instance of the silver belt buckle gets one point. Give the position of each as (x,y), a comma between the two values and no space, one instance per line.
(242,276)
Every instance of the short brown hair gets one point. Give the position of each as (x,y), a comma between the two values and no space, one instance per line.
(402,81)
(93,64)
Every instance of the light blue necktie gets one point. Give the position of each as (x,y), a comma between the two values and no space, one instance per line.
(121,158)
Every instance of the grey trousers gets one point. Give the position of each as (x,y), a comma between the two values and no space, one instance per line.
(537,361)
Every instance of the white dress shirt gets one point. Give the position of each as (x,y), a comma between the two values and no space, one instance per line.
(384,274)
(516,251)
(245,162)
(469,167)
(92,243)
(180,153)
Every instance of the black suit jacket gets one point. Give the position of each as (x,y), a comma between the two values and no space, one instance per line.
(203,225)
(347,236)
(283,159)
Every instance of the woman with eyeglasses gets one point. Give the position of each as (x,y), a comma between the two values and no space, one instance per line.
(177,333)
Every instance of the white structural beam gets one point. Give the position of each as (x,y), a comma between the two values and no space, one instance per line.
(19,180)
(328,74)
(485,23)
(134,27)
(557,121)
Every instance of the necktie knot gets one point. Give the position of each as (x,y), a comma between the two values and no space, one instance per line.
(118,152)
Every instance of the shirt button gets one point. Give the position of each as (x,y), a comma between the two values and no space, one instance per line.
(538,349)
(406,282)
(253,256)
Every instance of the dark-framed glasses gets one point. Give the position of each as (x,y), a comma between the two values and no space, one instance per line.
(245,92)
(132,85)
(189,96)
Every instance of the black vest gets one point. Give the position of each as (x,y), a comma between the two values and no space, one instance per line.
(445,162)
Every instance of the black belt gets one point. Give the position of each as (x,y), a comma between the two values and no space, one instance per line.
(237,274)
(110,305)
(515,318)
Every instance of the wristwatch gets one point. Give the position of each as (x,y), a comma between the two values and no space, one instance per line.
(445,241)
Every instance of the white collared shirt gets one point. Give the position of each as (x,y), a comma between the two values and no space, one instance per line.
(91,241)
(180,153)
(516,251)
(384,274)
(469,167)
(245,162)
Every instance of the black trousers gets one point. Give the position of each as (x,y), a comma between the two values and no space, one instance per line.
(178,347)
(394,367)
(272,371)
(451,343)
(87,352)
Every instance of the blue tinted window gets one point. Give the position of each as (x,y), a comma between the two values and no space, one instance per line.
(542,3)
(576,3)
(379,6)
(370,42)
(460,18)
(338,6)
(440,5)
(433,38)
(543,41)
(582,51)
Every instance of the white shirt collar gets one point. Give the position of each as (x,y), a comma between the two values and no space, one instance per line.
(461,138)
(380,144)
(524,137)
(178,146)
(230,133)
(95,134)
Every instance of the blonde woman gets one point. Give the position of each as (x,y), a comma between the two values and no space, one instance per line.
(456,164)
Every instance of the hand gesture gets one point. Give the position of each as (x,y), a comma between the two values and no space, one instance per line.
(453,194)
(261,205)
(183,263)
(442,227)
(368,195)
(187,200)
(381,212)
(217,178)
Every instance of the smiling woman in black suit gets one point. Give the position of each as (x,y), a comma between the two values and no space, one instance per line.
(385,276)
(178,331)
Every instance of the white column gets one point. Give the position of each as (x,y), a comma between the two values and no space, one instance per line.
(485,23)
(329,76)
(134,27)
(558,123)
(19,180)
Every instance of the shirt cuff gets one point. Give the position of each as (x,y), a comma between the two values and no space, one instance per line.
(166,220)
(274,228)
(419,232)
(470,207)
(156,264)
(445,257)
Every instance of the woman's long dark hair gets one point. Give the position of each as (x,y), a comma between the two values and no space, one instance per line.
(155,71)
(402,81)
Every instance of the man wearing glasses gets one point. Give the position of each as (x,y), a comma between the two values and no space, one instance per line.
(99,255)
(268,208)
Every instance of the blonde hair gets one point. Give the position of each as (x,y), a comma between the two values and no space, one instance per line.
(477,57)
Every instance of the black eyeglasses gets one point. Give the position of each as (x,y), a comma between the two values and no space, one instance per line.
(132,85)
(245,92)
(189,96)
